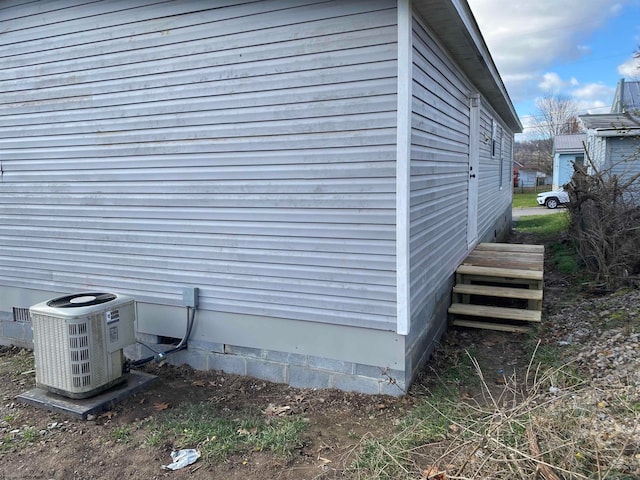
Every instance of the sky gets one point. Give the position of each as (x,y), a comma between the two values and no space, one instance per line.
(574,48)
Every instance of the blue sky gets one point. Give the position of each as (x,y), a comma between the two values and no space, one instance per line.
(575,48)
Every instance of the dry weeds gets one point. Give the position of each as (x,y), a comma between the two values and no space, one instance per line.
(549,424)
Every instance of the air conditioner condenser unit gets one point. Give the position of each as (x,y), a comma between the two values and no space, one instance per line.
(79,340)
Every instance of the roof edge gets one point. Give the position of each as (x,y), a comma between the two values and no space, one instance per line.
(463,39)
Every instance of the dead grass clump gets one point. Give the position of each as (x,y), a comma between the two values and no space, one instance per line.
(549,424)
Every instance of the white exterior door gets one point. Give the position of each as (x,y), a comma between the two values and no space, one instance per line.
(474,165)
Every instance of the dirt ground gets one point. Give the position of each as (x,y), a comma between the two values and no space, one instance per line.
(75,449)
(67,448)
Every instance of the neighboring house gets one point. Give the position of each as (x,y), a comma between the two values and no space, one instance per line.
(317,169)
(528,177)
(613,142)
(627,97)
(568,150)
(613,139)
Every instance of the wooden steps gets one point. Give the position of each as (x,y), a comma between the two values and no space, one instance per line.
(492,326)
(501,282)
(503,292)
(503,313)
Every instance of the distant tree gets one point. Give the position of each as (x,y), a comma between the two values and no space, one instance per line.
(556,115)
(533,154)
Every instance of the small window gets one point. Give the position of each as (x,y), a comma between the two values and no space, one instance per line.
(501,161)
(579,160)
(494,138)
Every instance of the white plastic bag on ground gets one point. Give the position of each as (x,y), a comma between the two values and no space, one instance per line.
(182,458)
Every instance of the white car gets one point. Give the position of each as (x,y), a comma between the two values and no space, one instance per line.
(553,199)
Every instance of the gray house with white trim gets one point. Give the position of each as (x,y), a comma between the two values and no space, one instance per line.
(317,169)
(613,139)
(613,142)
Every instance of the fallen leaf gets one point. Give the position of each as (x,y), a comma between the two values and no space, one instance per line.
(273,411)
(434,473)
(107,414)
(324,460)
(158,407)
(244,431)
(198,383)
(381,406)
(453,428)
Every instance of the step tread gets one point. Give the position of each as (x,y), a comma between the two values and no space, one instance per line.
(507,263)
(495,312)
(511,247)
(500,272)
(503,292)
(491,326)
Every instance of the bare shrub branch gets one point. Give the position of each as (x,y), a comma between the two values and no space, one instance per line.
(605,222)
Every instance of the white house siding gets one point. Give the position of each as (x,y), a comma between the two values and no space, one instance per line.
(495,177)
(624,156)
(246,148)
(439,177)
(596,148)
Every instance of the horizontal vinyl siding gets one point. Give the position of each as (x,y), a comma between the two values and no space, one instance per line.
(596,149)
(624,157)
(439,168)
(246,148)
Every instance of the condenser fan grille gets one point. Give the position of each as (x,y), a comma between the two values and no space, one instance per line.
(79,341)
(79,354)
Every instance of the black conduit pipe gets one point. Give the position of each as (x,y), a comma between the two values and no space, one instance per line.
(160,356)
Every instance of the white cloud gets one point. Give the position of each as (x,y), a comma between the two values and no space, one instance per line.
(587,98)
(593,91)
(525,37)
(615,9)
(630,68)
(594,106)
(552,83)
(529,128)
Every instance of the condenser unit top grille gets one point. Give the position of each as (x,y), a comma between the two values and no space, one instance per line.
(81,300)
(79,305)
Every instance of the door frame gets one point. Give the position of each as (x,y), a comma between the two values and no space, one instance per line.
(474,170)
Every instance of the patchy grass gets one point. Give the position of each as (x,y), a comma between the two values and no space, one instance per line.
(524,200)
(564,257)
(202,426)
(544,226)
(121,434)
(18,438)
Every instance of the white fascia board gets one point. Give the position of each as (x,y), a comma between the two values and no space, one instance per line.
(621,132)
(403,164)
